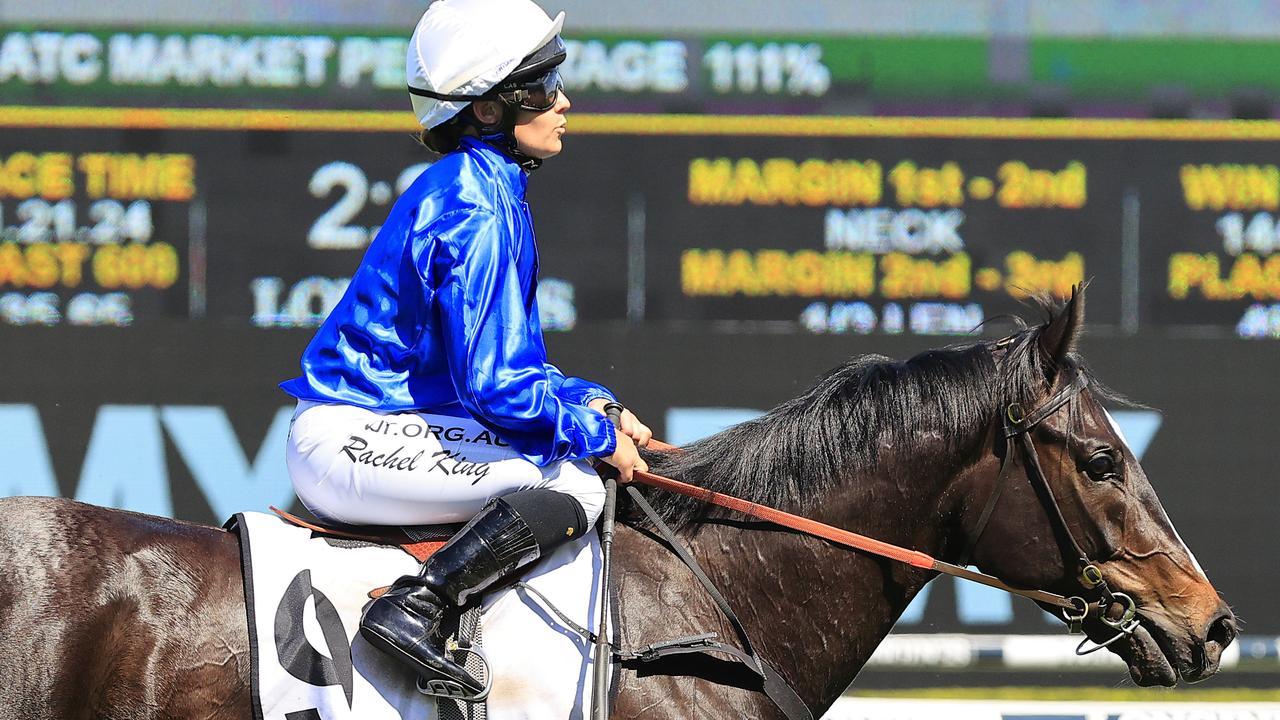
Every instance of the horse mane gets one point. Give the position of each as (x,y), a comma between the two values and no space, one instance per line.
(924,410)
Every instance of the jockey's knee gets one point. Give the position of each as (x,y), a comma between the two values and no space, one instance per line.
(553,517)
(579,481)
(592,499)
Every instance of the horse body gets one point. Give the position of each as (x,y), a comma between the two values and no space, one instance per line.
(157,629)
(119,615)
(111,615)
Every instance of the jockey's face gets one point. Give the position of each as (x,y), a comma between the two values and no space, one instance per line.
(538,134)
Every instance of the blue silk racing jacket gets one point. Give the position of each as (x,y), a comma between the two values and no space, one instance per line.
(442,317)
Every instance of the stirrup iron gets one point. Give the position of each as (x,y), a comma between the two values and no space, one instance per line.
(445,687)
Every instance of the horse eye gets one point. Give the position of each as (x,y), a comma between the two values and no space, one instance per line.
(1101,467)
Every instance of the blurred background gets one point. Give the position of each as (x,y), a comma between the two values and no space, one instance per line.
(751,193)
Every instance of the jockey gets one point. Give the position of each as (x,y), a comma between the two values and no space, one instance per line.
(426,396)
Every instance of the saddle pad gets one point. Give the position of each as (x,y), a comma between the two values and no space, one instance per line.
(305,595)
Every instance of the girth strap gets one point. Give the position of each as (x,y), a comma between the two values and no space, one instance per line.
(775,687)
(772,684)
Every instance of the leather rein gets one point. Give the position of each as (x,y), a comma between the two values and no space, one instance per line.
(1017,426)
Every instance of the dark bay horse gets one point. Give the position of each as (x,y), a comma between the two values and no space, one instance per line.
(114,615)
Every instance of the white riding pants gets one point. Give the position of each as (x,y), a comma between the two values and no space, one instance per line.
(363,467)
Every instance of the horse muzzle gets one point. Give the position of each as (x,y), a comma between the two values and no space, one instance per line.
(1162,653)
(1220,631)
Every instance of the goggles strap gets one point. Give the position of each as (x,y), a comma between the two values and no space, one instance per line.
(442,96)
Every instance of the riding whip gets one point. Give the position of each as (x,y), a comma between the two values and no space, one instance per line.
(600,685)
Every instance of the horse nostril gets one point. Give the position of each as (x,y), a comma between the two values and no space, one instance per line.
(1219,633)
(1222,629)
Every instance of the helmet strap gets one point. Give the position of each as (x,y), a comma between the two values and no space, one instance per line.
(503,137)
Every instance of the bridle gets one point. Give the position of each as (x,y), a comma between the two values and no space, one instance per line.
(1095,599)
(1017,425)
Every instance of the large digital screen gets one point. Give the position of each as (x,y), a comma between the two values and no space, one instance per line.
(161,271)
(897,230)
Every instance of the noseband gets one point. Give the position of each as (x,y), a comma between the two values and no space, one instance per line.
(1096,598)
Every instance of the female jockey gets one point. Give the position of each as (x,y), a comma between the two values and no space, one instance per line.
(426,396)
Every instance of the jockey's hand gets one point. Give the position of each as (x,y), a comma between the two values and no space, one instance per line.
(628,424)
(626,458)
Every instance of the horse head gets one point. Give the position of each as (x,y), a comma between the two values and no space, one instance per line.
(1109,508)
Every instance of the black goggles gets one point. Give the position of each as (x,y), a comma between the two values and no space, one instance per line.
(537,95)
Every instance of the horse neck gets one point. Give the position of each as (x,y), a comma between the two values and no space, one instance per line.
(815,610)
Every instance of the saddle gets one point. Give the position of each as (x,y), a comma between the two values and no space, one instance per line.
(420,542)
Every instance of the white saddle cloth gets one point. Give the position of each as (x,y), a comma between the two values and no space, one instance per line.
(309,662)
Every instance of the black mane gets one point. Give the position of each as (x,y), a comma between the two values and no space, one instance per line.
(869,411)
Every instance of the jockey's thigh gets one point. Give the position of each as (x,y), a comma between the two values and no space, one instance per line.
(363,467)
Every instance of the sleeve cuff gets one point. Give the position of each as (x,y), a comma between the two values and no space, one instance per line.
(587,397)
(581,392)
(603,441)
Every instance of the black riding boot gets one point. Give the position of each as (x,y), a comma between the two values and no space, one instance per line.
(509,533)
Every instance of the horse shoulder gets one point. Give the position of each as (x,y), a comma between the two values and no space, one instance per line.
(660,599)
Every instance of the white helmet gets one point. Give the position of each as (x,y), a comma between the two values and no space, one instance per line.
(466,47)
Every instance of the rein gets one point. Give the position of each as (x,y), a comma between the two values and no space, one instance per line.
(1017,426)
(839,536)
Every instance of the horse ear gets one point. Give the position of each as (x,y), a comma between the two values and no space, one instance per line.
(1059,337)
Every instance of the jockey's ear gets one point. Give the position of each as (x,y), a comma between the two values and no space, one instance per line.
(1058,338)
